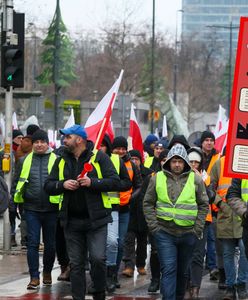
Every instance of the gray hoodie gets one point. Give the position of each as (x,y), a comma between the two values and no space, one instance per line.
(175,185)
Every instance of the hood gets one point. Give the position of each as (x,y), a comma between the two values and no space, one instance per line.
(107,142)
(177,150)
(179,139)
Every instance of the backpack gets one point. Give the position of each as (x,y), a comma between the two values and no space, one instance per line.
(4,196)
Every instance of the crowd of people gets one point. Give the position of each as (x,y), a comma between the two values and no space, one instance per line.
(174,196)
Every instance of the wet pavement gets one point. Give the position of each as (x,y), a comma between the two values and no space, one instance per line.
(14,278)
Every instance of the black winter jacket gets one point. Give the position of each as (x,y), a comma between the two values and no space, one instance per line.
(85,202)
(34,195)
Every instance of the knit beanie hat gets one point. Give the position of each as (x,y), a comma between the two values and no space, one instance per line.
(16,132)
(40,135)
(150,139)
(179,139)
(207,134)
(194,156)
(135,153)
(32,128)
(119,141)
(162,143)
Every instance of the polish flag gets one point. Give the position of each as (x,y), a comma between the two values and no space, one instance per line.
(221,129)
(135,138)
(99,120)
(71,121)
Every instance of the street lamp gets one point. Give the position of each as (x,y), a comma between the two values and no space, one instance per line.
(152,67)
(230,27)
(175,68)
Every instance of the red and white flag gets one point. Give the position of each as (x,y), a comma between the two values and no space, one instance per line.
(134,137)
(99,120)
(221,129)
(71,121)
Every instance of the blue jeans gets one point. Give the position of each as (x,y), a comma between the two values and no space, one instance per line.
(229,249)
(112,239)
(123,226)
(80,237)
(175,255)
(35,222)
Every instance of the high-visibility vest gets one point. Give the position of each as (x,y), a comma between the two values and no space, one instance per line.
(184,211)
(125,196)
(214,158)
(207,181)
(224,182)
(105,196)
(115,196)
(18,197)
(148,161)
(244,190)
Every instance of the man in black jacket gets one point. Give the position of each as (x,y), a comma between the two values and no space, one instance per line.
(39,209)
(85,210)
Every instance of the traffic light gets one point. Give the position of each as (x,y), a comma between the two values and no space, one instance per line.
(12,56)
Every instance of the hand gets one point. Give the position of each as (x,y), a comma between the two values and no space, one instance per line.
(84,181)
(71,185)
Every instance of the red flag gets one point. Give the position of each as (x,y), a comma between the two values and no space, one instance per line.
(135,138)
(98,122)
(221,129)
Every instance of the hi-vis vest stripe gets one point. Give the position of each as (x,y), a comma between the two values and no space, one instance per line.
(210,166)
(244,190)
(224,182)
(18,197)
(184,211)
(125,196)
(105,197)
(115,196)
(148,161)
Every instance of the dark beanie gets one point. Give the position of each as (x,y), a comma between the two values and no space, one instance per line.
(150,139)
(135,153)
(16,132)
(119,141)
(32,128)
(207,134)
(179,139)
(40,135)
(163,154)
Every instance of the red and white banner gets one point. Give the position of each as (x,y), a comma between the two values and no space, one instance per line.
(135,138)
(221,129)
(99,120)
(236,162)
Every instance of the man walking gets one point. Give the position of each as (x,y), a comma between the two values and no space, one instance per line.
(40,212)
(181,205)
(85,209)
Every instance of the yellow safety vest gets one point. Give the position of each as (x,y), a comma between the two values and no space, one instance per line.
(244,190)
(18,197)
(115,196)
(184,211)
(148,161)
(105,196)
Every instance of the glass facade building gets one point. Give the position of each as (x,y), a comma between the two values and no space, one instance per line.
(213,20)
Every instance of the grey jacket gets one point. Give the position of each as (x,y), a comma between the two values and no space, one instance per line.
(175,185)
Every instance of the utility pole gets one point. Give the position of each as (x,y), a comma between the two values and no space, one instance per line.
(152,103)
(175,67)
(7,31)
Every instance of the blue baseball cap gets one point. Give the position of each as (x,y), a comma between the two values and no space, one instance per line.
(75,129)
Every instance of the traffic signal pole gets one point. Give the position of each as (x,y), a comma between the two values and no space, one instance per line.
(8,28)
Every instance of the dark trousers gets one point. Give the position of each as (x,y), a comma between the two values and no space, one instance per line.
(245,239)
(132,256)
(196,267)
(61,250)
(154,261)
(80,238)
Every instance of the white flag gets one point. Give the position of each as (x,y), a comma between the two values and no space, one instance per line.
(71,121)
(164,132)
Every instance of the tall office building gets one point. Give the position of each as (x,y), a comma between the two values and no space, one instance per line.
(214,20)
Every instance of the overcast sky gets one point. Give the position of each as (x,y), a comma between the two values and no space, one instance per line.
(93,14)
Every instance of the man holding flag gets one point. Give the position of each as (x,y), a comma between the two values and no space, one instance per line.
(85,209)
